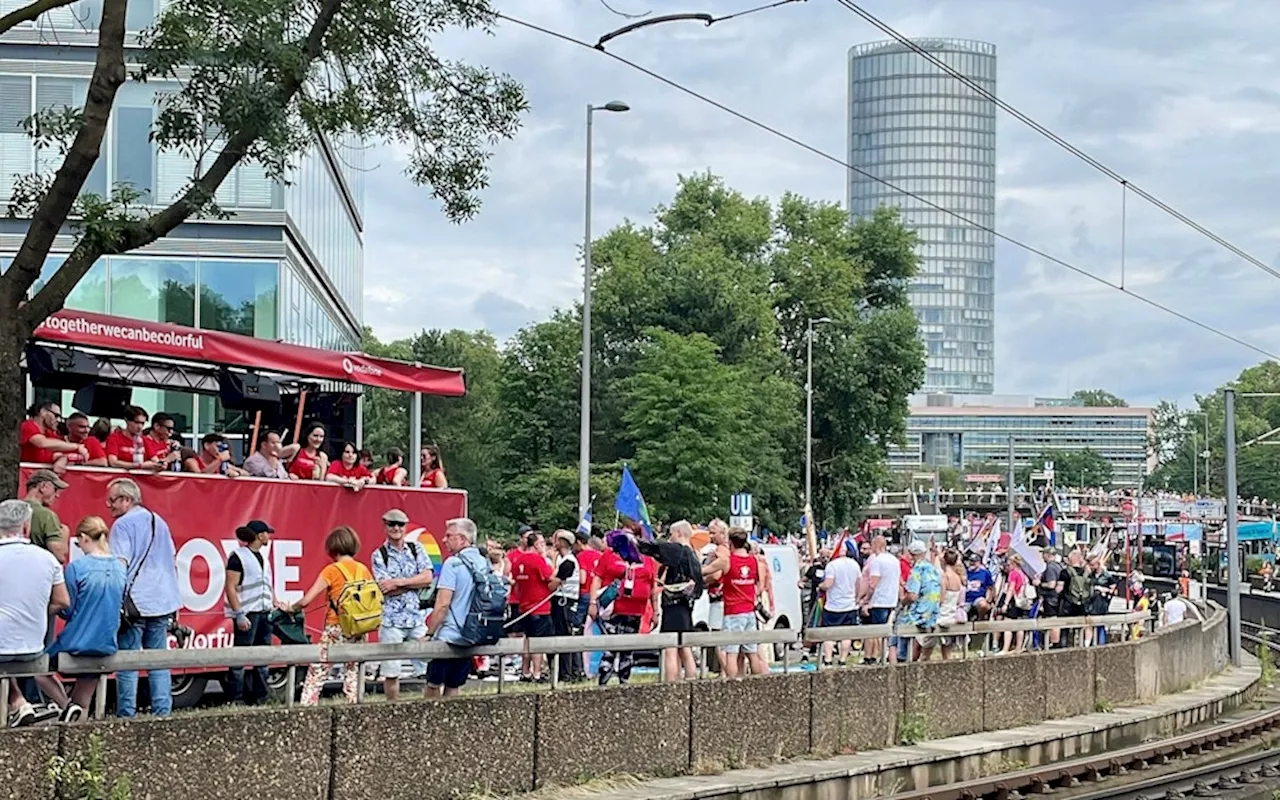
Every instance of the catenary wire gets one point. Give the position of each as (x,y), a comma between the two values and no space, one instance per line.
(1056,139)
(822,154)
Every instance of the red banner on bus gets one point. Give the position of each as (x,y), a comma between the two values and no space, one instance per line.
(166,340)
(203,513)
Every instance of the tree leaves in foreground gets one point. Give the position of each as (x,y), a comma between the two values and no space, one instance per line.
(245,81)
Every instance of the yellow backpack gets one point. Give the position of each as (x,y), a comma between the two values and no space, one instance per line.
(359,606)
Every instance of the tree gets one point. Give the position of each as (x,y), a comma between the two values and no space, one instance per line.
(259,81)
(1082,468)
(1098,398)
(541,392)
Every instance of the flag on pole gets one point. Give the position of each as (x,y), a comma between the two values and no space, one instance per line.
(992,538)
(630,503)
(584,525)
(1046,521)
(979,541)
(1030,556)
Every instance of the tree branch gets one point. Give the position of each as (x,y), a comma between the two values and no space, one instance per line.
(51,213)
(29,13)
(51,298)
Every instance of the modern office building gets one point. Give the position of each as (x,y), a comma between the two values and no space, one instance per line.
(927,133)
(959,431)
(286,265)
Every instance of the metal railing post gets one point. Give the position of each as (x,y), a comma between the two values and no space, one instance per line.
(290,685)
(555,671)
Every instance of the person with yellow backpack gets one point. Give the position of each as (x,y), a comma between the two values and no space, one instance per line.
(355,609)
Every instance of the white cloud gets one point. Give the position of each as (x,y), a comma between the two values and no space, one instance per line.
(1177,96)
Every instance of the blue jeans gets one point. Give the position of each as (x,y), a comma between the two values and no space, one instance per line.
(255,688)
(148,633)
(580,613)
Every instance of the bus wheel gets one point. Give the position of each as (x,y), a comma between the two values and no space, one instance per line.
(187,690)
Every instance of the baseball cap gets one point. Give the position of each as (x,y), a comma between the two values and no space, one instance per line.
(916,547)
(258,526)
(1049,549)
(568,536)
(395,515)
(973,556)
(46,476)
(523,529)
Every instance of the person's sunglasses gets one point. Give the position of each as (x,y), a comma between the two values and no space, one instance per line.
(390,524)
(112,500)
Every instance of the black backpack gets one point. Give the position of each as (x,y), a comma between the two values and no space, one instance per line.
(687,574)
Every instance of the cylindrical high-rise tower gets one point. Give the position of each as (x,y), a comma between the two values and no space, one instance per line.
(930,134)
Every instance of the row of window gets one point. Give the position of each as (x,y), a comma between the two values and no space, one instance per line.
(953,234)
(128,155)
(960,350)
(951,300)
(970,251)
(972,65)
(950,363)
(968,208)
(886,124)
(326,223)
(873,106)
(930,169)
(307,322)
(972,331)
(1047,423)
(222,294)
(955,145)
(86,15)
(959,382)
(953,283)
(954,316)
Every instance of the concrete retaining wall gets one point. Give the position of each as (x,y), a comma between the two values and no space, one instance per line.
(515,743)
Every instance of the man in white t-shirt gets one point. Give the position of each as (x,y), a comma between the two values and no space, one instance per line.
(880,597)
(1175,610)
(840,608)
(31,588)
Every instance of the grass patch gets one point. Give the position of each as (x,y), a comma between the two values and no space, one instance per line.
(913,726)
(73,779)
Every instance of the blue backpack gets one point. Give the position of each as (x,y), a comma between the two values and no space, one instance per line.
(485,617)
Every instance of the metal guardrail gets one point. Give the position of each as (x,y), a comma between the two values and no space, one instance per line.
(291,657)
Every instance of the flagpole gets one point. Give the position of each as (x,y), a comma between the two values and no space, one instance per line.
(1010,486)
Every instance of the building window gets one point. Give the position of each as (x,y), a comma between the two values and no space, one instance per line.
(239,297)
(154,289)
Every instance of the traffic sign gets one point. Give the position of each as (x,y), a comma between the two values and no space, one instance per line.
(740,505)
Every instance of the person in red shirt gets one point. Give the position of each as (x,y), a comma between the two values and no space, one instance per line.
(743,582)
(348,471)
(311,462)
(214,458)
(78,428)
(38,439)
(630,578)
(394,473)
(432,468)
(126,449)
(535,581)
(159,445)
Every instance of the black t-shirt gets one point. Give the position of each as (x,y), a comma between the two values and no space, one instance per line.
(1053,573)
(814,575)
(682,566)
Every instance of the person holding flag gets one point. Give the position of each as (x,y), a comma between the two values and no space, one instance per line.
(630,503)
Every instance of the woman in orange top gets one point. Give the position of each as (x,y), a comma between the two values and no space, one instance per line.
(342,544)
(432,470)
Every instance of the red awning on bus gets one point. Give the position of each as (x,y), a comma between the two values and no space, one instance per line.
(164,340)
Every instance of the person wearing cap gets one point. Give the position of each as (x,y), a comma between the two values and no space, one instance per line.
(250,596)
(214,458)
(402,569)
(564,601)
(978,594)
(923,596)
(47,531)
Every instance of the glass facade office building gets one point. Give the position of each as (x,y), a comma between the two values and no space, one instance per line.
(927,133)
(288,263)
(948,432)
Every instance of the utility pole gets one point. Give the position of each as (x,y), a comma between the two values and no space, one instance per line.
(1010,486)
(1233,539)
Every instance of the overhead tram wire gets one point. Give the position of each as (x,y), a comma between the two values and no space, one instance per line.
(1058,140)
(564,37)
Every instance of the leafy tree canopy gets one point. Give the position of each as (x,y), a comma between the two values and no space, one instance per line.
(1098,398)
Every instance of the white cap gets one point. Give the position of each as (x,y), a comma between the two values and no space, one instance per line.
(916,547)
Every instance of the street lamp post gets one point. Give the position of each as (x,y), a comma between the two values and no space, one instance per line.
(808,420)
(584,445)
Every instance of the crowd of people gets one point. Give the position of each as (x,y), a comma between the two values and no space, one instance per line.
(153,443)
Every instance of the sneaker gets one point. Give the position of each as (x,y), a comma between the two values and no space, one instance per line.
(46,713)
(71,714)
(25,715)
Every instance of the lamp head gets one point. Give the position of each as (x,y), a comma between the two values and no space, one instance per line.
(616,106)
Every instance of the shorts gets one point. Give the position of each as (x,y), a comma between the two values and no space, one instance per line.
(536,626)
(837,619)
(513,612)
(1013,612)
(394,667)
(715,615)
(1049,606)
(740,623)
(677,618)
(1071,610)
(21,658)
(451,673)
(879,616)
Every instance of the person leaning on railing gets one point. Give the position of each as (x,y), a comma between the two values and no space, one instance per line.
(342,544)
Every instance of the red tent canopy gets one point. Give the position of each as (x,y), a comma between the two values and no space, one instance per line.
(215,347)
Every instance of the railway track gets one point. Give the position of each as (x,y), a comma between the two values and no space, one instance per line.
(1215,765)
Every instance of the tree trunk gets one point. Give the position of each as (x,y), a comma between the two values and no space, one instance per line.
(12,401)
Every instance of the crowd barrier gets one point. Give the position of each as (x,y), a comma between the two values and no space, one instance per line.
(290,657)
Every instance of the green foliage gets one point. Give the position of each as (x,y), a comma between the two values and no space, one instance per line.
(699,330)
(74,779)
(1098,398)
(913,726)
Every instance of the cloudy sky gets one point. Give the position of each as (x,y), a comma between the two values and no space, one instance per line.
(1179,97)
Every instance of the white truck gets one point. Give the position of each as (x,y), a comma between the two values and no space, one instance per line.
(784,563)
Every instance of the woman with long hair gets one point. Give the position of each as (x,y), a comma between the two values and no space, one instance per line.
(394,473)
(432,468)
(95,583)
(342,544)
(623,585)
(954,581)
(310,463)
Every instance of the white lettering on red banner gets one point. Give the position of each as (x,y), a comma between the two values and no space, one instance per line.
(125,333)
